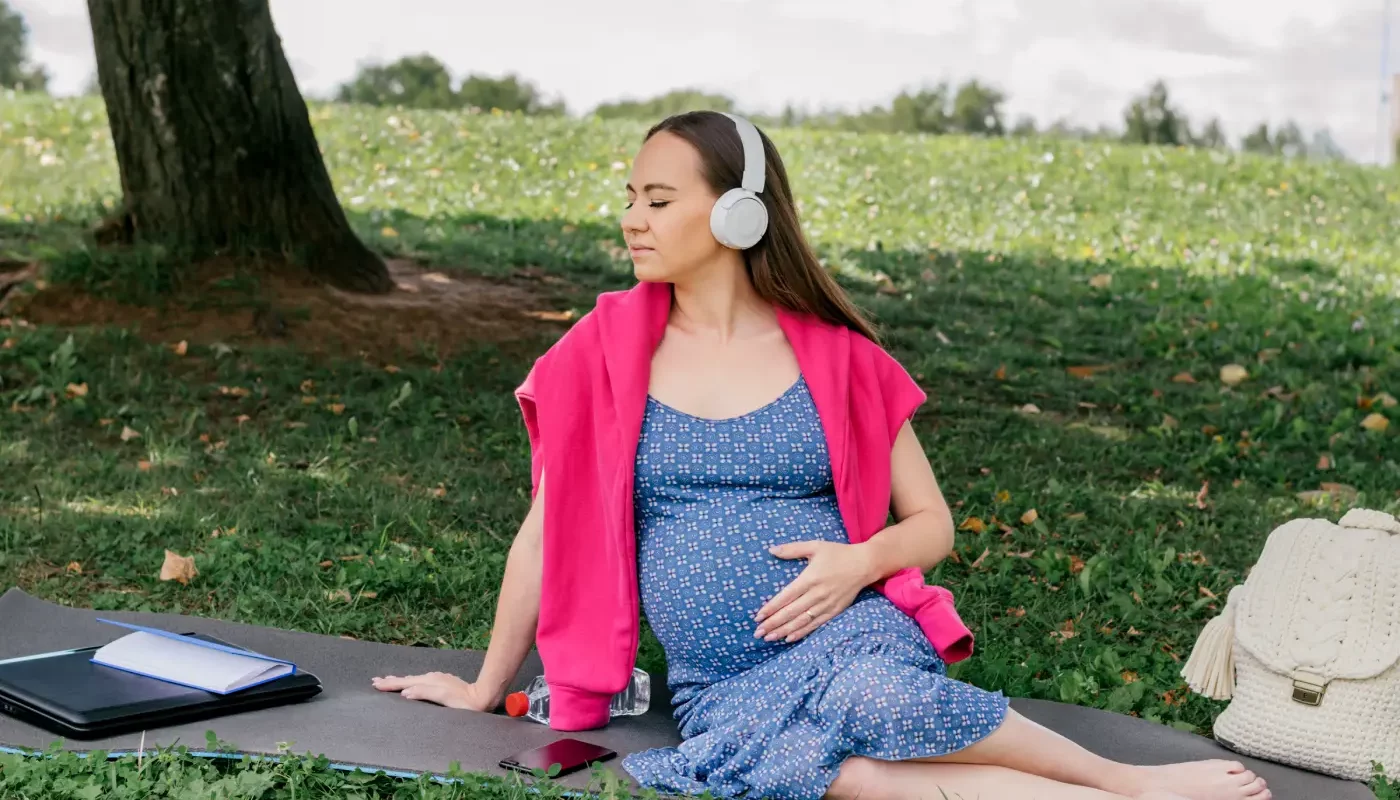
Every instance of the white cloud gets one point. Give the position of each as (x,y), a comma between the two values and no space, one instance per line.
(1240,60)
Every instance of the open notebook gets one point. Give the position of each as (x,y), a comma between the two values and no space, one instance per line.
(189,661)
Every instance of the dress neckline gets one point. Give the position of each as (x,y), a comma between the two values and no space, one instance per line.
(801,380)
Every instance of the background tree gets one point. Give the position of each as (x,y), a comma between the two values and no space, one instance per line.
(1324,147)
(1213,136)
(1258,140)
(508,93)
(924,111)
(213,140)
(977,110)
(1289,141)
(657,108)
(1151,119)
(1025,126)
(418,81)
(15,70)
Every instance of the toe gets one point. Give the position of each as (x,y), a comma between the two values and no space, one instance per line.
(1236,766)
(1255,789)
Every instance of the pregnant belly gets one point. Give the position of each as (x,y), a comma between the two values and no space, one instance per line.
(702,581)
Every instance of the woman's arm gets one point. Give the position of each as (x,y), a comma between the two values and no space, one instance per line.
(923,535)
(518,608)
(512,634)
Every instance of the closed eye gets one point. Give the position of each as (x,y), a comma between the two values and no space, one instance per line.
(654,204)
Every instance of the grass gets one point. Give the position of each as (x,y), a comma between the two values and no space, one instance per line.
(316,493)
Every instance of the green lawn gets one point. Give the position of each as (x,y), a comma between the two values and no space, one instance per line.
(365,496)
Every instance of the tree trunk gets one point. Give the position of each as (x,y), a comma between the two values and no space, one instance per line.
(213,138)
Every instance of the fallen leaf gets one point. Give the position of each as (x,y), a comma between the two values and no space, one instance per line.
(1029,517)
(143,465)
(1066,630)
(234,391)
(391,369)
(1003,496)
(8,343)
(1183,377)
(1201,495)
(75,568)
(974,524)
(440,491)
(336,408)
(1233,374)
(1205,592)
(242,418)
(370,595)
(1076,565)
(1001,373)
(1129,676)
(1375,422)
(339,594)
(980,559)
(1087,371)
(1324,462)
(177,567)
(1268,353)
(1101,281)
(76,390)
(941,338)
(308,399)
(1134,631)
(388,232)
(1169,422)
(308,386)
(1209,430)
(1386,400)
(181,348)
(128,434)
(1029,408)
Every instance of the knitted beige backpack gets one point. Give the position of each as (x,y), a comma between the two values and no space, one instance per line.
(1307,649)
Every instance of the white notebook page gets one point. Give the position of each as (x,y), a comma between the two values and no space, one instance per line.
(183,662)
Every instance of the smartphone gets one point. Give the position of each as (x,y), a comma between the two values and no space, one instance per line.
(571,755)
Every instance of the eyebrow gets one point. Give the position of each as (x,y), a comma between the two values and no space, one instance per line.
(651,186)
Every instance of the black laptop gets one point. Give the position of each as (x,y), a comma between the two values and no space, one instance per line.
(66,693)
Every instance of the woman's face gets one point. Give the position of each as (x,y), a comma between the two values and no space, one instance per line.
(667,224)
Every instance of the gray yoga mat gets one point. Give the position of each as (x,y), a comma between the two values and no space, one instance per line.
(356,726)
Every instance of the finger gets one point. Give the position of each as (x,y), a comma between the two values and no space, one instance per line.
(394,683)
(782,599)
(793,550)
(796,617)
(786,613)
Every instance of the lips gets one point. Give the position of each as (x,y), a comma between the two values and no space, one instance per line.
(638,250)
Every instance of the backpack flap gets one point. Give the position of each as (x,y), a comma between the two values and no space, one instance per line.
(1320,604)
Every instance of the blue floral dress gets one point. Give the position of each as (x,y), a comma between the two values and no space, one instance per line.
(772,719)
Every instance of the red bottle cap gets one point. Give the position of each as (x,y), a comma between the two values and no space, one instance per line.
(517,704)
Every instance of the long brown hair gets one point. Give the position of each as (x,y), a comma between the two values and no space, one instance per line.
(783,266)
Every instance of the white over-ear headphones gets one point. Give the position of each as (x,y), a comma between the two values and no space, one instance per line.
(739,218)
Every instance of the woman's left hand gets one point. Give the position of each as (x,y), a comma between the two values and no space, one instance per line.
(835,574)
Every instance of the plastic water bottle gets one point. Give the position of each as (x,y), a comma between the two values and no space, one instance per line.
(633,700)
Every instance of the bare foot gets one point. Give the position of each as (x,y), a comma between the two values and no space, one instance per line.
(1198,780)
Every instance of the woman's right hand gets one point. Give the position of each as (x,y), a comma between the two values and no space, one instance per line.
(441,688)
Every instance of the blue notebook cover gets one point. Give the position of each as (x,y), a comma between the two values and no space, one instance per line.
(201,643)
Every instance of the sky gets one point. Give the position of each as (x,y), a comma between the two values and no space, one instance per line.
(1244,61)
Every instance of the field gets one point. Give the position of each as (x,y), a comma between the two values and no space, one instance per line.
(1069,308)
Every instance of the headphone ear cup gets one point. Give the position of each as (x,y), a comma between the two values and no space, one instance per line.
(739,219)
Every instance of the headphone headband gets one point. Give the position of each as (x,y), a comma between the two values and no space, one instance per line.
(754,162)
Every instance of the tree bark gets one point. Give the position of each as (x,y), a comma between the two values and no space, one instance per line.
(213,139)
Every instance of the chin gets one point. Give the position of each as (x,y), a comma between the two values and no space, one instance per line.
(650,272)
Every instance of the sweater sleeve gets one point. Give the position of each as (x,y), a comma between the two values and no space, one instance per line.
(902,395)
(525,395)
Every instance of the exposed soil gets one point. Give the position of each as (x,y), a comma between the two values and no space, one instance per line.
(443,311)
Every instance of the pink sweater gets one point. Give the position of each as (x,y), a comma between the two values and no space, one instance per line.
(583,404)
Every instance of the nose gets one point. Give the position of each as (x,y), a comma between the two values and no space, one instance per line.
(634,218)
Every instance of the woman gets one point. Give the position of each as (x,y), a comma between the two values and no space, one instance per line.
(790,679)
